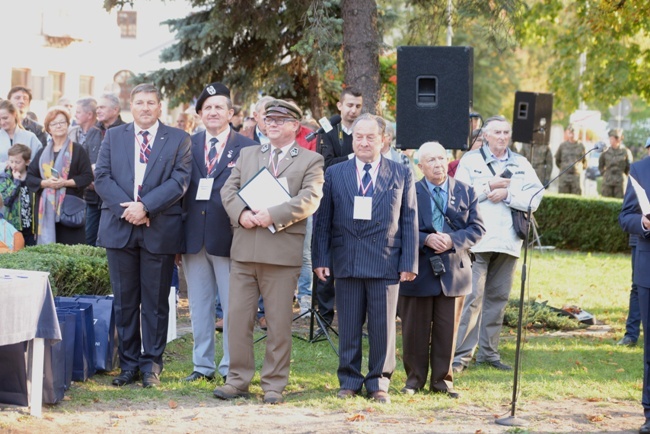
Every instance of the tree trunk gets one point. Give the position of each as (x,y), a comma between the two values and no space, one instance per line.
(361,50)
(315,100)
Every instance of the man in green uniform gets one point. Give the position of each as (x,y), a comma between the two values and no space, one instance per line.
(614,164)
(541,158)
(567,154)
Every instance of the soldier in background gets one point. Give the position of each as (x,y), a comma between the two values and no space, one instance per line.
(567,154)
(614,164)
(540,156)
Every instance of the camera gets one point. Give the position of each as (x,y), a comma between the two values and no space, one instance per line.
(436,265)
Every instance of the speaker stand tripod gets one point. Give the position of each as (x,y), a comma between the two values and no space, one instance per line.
(324,328)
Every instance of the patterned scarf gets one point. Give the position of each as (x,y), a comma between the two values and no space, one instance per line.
(49,206)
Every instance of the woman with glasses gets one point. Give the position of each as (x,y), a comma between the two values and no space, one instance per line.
(12,132)
(61,168)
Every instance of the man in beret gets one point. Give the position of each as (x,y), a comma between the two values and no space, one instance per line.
(208,236)
(264,262)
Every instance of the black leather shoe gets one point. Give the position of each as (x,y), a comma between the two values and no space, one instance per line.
(150,379)
(496,364)
(195,376)
(126,377)
(645,428)
(450,393)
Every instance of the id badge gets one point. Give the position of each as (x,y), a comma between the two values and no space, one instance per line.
(205,189)
(362,208)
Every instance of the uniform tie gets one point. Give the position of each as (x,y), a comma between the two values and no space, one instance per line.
(145,149)
(212,156)
(366,182)
(438,219)
(276,157)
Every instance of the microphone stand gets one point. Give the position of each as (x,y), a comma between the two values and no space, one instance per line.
(513,420)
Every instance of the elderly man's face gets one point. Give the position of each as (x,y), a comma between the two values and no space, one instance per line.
(498,137)
(367,140)
(434,165)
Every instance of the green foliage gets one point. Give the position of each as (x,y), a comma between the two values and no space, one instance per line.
(538,316)
(581,223)
(73,270)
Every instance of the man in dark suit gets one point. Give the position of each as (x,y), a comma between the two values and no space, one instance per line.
(142,172)
(208,235)
(366,233)
(335,146)
(634,220)
(430,306)
(264,262)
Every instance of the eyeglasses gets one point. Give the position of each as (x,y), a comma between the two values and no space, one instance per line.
(278,121)
(58,124)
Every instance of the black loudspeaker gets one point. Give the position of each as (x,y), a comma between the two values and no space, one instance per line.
(532,117)
(434,96)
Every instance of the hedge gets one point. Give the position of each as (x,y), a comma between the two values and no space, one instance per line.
(73,270)
(581,223)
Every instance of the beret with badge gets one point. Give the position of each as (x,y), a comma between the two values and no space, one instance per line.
(281,108)
(211,90)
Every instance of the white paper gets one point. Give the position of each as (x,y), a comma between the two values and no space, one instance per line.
(362,208)
(642,196)
(263,191)
(284,183)
(205,189)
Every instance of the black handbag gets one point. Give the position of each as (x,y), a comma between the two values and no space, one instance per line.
(73,212)
(520,223)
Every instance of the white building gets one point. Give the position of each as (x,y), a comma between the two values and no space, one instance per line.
(74,48)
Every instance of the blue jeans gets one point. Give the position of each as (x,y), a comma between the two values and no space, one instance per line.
(306,278)
(633,323)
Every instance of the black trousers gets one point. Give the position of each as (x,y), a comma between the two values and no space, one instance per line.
(325,297)
(141,281)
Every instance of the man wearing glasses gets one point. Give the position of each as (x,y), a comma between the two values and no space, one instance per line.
(268,263)
(503,180)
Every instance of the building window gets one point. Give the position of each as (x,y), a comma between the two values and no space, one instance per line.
(123,79)
(86,85)
(57,86)
(21,77)
(127,20)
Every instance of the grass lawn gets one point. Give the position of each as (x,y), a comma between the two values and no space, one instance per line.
(555,366)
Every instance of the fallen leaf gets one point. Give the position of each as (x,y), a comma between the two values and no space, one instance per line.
(357,418)
(620,370)
(173,404)
(369,410)
(48,418)
(95,399)
(478,431)
(67,398)
(430,420)
(596,418)
(594,399)
(390,421)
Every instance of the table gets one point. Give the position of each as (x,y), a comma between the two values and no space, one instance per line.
(27,313)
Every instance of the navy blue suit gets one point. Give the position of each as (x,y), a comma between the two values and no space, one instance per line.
(630,221)
(367,256)
(140,258)
(206,221)
(430,306)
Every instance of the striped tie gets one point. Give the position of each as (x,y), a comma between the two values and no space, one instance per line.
(212,156)
(145,149)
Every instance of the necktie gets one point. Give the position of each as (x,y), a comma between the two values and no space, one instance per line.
(438,217)
(145,149)
(276,156)
(366,182)
(212,155)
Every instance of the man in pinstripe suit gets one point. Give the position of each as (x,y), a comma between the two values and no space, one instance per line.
(366,232)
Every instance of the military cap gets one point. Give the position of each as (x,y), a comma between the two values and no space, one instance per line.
(615,132)
(211,90)
(280,107)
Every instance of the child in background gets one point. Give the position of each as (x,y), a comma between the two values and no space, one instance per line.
(18,200)
(10,239)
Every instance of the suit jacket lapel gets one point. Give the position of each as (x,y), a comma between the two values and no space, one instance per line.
(156,149)
(383,182)
(129,148)
(452,199)
(350,177)
(424,206)
(229,149)
(198,153)
(288,159)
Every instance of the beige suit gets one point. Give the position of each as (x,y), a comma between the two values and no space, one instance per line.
(268,264)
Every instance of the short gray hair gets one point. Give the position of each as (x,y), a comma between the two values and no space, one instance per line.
(112,99)
(261,104)
(428,148)
(381,123)
(146,88)
(492,119)
(88,105)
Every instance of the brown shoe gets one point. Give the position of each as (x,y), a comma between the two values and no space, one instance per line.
(346,393)
(272,397)
(379,396)
(219,325)
(228,391)
(262,323)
